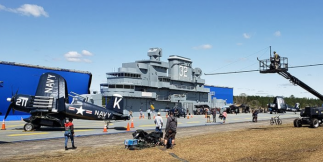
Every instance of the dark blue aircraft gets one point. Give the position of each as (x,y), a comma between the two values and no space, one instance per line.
(279,106)
(50,106)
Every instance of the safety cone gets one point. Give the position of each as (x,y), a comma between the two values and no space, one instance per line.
(154,116)
(105,129)
(139,116)
(3,125)
(128,128)
(192,116)
(143,116)
(188,117)
(132,126)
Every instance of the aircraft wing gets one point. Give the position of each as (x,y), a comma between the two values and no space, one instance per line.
(52,85)
(117,114)
(120,116)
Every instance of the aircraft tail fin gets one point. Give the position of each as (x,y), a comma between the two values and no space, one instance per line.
(280,102)
(115,103)
(52,85)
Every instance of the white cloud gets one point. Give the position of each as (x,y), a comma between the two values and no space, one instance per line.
(74,56)
(205,46)
(87,53)
(73,59)
(2,7)
(28,10)
(247,36)
(277,34)
(239,44)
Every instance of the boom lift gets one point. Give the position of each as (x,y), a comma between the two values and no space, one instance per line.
(310,115)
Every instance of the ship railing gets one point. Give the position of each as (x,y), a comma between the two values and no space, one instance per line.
(184,87)
(179,95)
(162,98)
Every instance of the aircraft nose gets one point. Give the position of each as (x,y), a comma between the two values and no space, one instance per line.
(9,99)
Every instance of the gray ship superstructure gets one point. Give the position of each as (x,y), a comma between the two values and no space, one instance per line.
(159,85)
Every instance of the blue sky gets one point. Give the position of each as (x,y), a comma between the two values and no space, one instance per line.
(219,36)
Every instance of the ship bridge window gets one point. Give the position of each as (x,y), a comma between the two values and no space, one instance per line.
(124,75)
(164,79)
(121,86)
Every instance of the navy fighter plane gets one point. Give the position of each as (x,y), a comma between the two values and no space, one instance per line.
(279,106)
(50,106)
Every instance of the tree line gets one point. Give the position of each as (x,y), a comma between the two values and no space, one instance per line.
(262,101)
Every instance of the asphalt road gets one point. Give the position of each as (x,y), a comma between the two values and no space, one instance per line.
(18,145)
(14,129)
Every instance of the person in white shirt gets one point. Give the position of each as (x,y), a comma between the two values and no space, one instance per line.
(159,122)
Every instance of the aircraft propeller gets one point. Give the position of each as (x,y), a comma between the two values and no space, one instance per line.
(11,104)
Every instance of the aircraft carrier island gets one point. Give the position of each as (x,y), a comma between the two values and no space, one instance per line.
(158,85)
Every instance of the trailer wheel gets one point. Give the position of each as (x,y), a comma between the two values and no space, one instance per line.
(314,123)
(295,123)
(299,122)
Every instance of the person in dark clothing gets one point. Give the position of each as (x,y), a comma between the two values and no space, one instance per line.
(170,130)
(176,113)
(69,133)
(214,115)
(148,111)
(255,115)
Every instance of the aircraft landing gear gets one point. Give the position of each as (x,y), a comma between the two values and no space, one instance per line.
(107,122)
(29,127)
(37,126)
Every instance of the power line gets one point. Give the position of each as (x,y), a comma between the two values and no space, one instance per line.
(240,59)
(306,65)
(247,71)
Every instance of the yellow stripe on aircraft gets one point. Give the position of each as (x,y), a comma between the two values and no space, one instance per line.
(28,134)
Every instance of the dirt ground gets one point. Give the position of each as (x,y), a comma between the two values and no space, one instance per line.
(227,142)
